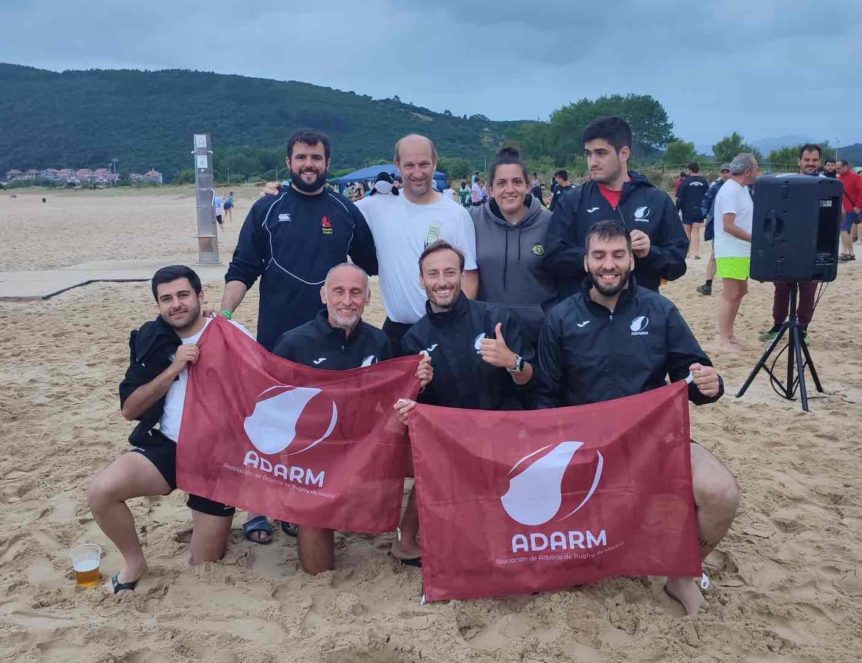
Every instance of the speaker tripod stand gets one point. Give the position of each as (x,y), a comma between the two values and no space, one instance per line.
(796,349)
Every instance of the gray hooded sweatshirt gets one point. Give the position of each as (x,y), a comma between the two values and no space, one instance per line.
(510,262)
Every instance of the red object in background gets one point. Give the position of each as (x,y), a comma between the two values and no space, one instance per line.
(309,446)
(519,502)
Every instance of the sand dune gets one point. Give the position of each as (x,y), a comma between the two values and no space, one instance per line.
(787,583)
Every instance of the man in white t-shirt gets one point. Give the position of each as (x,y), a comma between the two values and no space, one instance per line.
(153,392)
(734,215)
(404,225)
(218,207)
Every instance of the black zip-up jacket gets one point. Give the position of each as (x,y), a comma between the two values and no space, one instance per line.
(588,354)
(642,207)
(150,352)
(690,196)
(461,377)
(292,240)
(320,345)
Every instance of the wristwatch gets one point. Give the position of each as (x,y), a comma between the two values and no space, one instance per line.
(519,365)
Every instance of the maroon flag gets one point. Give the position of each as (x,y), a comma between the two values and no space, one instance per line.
(310,446)
(517,502)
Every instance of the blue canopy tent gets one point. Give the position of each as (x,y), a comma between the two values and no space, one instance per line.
(370,173)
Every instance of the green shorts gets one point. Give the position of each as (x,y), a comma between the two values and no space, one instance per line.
(733,268)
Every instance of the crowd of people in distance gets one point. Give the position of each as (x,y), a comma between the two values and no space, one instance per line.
(537,281)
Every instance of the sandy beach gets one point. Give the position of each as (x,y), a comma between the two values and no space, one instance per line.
(786,581)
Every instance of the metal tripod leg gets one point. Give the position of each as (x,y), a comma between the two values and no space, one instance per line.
(810,363)
(762,361)
(795,352)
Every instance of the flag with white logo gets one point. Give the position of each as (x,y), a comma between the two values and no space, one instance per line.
(306,445)
(520,502)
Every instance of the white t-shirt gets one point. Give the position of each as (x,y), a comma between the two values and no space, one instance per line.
(175,399)
(401,232)
(732,198)
(476,193)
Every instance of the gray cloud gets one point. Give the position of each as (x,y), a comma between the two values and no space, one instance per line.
(763,68)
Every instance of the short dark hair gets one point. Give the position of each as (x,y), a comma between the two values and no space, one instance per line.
(810,147)
(172,273)
(507,156)
(609,229)
(829,160)
(440,245)
(308,137)
(613,129)
(562,173)
(844,163)
(694,167)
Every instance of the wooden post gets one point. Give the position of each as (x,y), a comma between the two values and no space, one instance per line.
(207,227)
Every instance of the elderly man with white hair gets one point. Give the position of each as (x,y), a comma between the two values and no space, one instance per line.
(734,215)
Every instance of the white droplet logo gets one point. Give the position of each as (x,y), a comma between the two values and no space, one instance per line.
(477,342)
(639,323)
(536,494)
(271,427)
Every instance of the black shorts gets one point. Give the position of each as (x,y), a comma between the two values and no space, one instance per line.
(162,452)
(688,220)
(709,233)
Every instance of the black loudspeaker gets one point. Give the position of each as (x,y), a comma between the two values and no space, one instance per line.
(796,227)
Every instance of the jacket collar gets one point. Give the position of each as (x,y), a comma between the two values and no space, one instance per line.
(321,324)
(625,296)
(446,317)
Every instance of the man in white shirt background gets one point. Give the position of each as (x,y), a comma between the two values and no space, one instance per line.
(403,226)
(734,215)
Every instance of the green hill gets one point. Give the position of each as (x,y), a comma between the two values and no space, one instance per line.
(146,119)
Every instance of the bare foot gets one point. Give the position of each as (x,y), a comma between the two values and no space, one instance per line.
(405,547)
(129,573)
(686,591)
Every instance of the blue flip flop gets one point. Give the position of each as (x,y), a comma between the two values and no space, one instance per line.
(259,524)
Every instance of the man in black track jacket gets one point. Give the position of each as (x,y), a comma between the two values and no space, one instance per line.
(292,239)
(481,354)
(658,240)
(337,339)
(616,339)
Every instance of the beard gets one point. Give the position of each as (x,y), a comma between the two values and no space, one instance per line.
(344,320)
(299,183)
(611,290)
(187,320)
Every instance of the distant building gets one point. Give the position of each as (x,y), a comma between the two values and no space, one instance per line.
(67,176)
(150,177)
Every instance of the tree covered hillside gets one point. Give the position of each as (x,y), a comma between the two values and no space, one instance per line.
(146,119)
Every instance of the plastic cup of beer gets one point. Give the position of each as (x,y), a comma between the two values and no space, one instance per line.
(86,559)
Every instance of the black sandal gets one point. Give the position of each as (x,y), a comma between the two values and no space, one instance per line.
(123,586)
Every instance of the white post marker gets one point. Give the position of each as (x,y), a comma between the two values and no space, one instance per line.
(204,192)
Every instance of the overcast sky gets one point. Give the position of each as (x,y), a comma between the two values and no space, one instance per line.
(761,67)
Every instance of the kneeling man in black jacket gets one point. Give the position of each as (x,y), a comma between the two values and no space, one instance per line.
(615,338)
(482,357)
(337,339)
(153,392)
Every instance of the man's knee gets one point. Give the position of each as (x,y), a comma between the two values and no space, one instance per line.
(103,489)
(316,549)
(713,484)
(209,536)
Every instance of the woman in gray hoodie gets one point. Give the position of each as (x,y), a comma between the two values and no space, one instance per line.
(510,229)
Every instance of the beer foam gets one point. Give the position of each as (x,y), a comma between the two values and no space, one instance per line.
(84,565)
